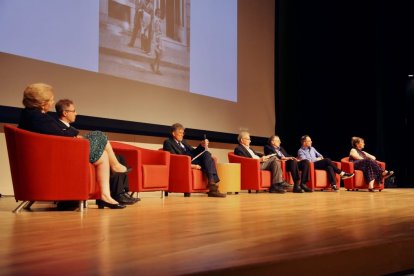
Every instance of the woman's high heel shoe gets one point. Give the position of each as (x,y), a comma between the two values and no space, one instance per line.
(128,170)
(101,204)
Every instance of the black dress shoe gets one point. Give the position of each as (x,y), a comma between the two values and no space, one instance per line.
(101,204)
(285,185)
(306,188)
(124,199)
(334,188)
(136,199)
(297,189)
(277,190)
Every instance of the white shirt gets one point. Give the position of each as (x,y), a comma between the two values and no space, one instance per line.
(251,152)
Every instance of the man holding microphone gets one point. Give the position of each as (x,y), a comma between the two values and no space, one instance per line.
(200,157)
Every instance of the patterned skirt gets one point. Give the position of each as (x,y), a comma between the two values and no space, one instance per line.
(370,169)
(97,144)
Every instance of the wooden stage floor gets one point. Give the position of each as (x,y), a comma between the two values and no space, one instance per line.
(323,233)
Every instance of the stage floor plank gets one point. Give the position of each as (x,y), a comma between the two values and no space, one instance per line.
(324,233)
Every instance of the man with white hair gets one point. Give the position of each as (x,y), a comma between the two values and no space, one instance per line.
(268,163)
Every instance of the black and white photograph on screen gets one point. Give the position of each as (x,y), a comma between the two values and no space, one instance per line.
(146,40)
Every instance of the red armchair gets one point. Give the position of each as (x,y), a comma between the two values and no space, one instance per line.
(150,168)
(184,179)
(358,181)
(319,179)
(252,177)
(49,168)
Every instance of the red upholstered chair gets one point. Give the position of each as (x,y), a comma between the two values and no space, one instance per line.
(319,179)
(358,181)
(49,168)
(150,168)
(184,179)
(286,175)
(252,177)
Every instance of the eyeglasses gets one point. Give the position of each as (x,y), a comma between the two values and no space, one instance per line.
(248,139)
(70,110)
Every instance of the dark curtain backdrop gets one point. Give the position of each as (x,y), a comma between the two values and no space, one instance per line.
(341,71)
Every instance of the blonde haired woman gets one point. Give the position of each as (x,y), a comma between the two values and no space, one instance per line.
(366,163)
(38,98)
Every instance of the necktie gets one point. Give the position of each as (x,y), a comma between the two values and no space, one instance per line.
(182,146)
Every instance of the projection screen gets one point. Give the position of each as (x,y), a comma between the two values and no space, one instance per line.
(208,64)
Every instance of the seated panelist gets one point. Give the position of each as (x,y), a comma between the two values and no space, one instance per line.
(307,152)
(201,157)
(38,98)
(267,162)
(292,164)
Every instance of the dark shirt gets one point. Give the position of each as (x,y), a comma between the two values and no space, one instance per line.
(280,152)
(70,130)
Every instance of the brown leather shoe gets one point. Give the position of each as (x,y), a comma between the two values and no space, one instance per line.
(213,191)
(216,194)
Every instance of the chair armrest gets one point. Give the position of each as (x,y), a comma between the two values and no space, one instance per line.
(250,168)
(155,157)
(347,166)
(337,164)
(180,169)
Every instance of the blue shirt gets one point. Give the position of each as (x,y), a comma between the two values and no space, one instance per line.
(309,154)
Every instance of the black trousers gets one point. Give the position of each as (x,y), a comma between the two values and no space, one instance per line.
(206,162)
(327,165)
(118,183)
(294,167)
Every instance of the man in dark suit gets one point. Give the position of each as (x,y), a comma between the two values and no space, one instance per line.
(292,164)
(269,163)
(176,145)
(118,182)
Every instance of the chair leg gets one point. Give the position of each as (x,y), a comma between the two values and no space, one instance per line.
(20,207)
(81,204)
(187,194)
(162,194)
(28,205)
(166,193)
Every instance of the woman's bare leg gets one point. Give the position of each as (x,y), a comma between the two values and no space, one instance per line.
(113,161)
(102,176)
(371,184)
